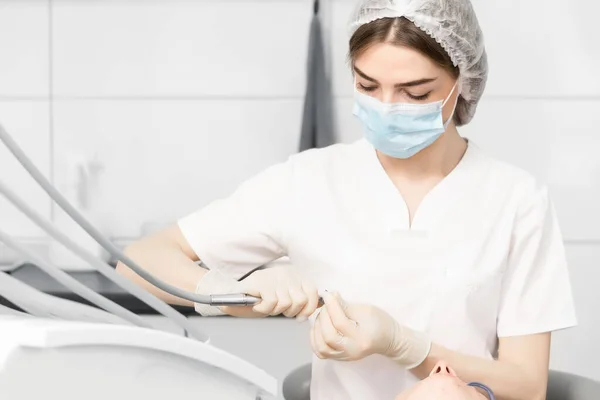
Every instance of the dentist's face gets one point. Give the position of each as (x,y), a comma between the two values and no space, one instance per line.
(442,384)
(395,74)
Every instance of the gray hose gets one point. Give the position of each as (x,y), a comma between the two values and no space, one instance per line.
(102,267)
(4,311)
(46,306)
(72,283)
(10,295)
(234,299)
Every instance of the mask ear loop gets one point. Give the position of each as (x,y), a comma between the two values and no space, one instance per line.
(452,91)
(456,84)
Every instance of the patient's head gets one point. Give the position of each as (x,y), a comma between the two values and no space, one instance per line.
(442,384)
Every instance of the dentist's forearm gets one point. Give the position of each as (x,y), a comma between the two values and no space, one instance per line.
(507,380)
(163,256)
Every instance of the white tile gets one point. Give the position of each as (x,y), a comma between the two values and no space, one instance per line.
(163,159)
(575,350)
(535,48)
(24,48)
(348,127)
(557,141)
(28,124)
(180,48)
(541,47)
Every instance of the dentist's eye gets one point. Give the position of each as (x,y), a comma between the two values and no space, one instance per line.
(366,88)
(421,97)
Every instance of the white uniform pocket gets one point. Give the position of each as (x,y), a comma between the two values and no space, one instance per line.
(467,301)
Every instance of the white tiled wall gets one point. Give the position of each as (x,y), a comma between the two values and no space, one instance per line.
(181,100)
(24,48)
(24,106)
(541,47)
(165,158)
(28,122)
(180,48)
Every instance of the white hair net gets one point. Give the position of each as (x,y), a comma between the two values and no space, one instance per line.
(451,23)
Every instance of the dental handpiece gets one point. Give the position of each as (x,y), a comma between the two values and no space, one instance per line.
(240,300)
(237,299)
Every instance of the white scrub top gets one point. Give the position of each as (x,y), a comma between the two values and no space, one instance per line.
(484,257)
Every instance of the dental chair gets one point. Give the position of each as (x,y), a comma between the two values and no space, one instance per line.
(70,360)
(561,386)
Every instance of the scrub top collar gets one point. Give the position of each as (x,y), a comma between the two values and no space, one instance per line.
(436,202)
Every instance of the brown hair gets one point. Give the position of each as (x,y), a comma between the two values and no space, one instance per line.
(402,32)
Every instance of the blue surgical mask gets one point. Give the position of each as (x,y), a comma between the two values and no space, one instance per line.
(400,130)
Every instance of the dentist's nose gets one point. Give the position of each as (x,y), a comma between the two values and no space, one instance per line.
(442,368)
(387,97)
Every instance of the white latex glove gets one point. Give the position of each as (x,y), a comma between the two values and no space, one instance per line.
(349,332)
(281,289)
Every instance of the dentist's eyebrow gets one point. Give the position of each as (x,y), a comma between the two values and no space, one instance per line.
(363,75)
(398,85)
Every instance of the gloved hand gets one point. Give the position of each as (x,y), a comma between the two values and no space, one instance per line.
(281,289)
(353,331)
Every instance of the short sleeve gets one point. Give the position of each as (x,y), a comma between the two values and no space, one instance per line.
(536,289)
(241,232)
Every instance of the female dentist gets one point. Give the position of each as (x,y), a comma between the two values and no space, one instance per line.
(439,251)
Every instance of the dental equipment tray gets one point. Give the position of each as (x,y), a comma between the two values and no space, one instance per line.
(38,279)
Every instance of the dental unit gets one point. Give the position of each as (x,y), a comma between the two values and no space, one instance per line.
(71,350)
